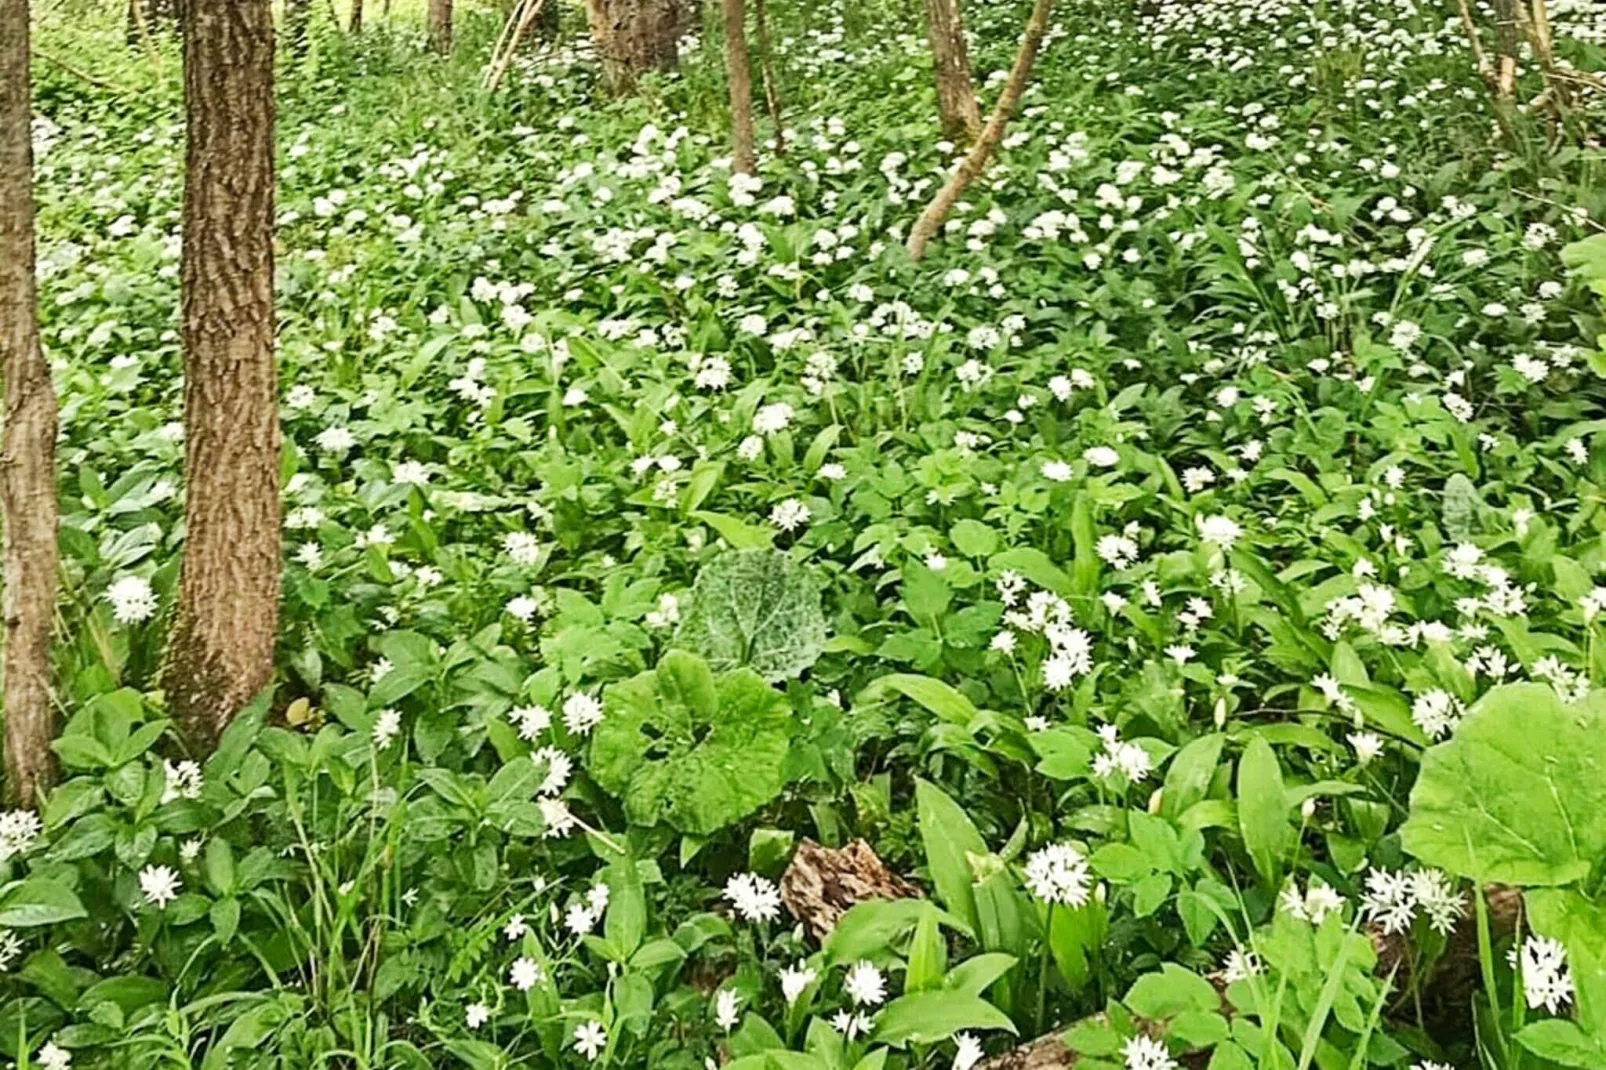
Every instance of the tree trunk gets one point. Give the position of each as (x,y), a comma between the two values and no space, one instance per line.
(221,652)
(772,87)
(440,25)
(739,73)
(28,445)
(634,37)
(1506,38)
(356,16)
(297,16)
(974,163)
(956,94)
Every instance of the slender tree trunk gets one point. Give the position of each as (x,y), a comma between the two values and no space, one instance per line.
(28,443)
(634,37)
(356,16)
(772,87)
(976,160)
(739,73)
(1506,37)
(440,25)
(297,16)
(223,635)
(956,93)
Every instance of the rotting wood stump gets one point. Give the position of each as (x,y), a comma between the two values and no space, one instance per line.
(823,883)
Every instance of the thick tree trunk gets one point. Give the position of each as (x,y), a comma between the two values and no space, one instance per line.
(956,94)
(28,446)
(976,161)
(634,37)
(223,636)
(739,73)
(440,25)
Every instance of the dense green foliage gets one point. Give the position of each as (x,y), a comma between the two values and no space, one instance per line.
(1235,455)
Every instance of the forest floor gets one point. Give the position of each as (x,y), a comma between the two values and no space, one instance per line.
(1248,390)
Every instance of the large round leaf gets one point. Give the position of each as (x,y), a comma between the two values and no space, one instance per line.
(682,746)
(1518,794)
(755,608)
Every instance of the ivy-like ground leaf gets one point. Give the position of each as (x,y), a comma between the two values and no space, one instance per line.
(1518,794)
(755,608)
(680,745)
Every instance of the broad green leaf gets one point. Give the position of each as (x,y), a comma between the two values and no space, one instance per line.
(1171,992)
(977,973)
(951,840)
(755,608)
(625,923)
(1561,1041)
(38,901)
(1189,775)
(1263,809)
(679,745)
(868,928)
(973,538)
(1518,794)
(945,701)
(929,1017)
(928,953)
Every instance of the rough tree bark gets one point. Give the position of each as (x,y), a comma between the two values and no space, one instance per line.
(739,73)
(956,94)
(28,445)
(976,160)
(440,25)
(634,37)
(221,652)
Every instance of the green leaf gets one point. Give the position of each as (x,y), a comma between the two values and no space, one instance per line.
(945,701)
(930,1017)
(1074,938)
(755,608)
(38,901)
(1518,794)
(1263,809)
(1563,1042)
(951,840)
(740,534)
(678,745)
(928,953)
(976,974)
(219,865)
(225,916)
(867,928)
(1190,773)
(1171,992)
(973,538)
(1036,566)
(625,923)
